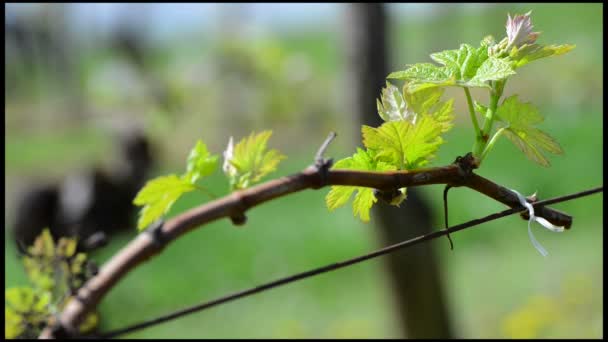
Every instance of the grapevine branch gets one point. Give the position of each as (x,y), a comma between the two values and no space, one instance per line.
(145,246)
(335,266)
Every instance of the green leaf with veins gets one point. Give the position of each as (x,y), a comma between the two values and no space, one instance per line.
(465,67)
(462,63)
(426,102)
(200,162)
(251,161)
(403,144)
(364,199)
(422,101)
(443,114)
(492,69)
(530,52)
(157,197)
(518,119)
(424,75)
(409,106)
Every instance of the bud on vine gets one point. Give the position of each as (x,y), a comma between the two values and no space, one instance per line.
(228,168)
(500,49)
(519,30)
(519,33)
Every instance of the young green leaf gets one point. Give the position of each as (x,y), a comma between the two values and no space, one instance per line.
(422,101)
(492,69)
(249,160)
(480,108)
(487,41)
(465,67)
(157,197)
(530,52)
(24,299)
(518,119)
(403,144)
(364,199)
(409,106)
(424,75)
(26,309)
(200,162)
(14,324)
(426,102)
(462,63)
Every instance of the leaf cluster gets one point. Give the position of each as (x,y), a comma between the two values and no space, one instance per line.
(244,164)
(407,140)
(55,271)
(159,194)
(415,118)
(249,160)
(489,66)
(466,67)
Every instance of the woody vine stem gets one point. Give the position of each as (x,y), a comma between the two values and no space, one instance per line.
(146,246)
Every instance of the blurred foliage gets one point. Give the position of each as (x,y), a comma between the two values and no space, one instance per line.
(569,312)
(55,271)
(46,135)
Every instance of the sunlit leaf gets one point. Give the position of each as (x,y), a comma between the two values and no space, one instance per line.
(492,69)
(200,162)
(462,63)
(466,67)
(364,198)
(403,144)
(410,105)
(26,310)
(251,160)
(423,101)
(338,196)
(13,323)
(530,52)
(424,75)
(157,197)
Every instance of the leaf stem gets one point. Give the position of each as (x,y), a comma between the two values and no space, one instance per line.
(495,94)
(472,113)
(205,191)
(491,143)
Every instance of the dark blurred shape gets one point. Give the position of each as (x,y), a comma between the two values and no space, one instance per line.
(414,272)
(90,205)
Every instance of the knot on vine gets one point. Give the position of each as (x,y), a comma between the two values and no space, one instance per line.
(466,165)
(238,218)
(237,211)
(61,332)
(321,164)
(393,196)
(159,239)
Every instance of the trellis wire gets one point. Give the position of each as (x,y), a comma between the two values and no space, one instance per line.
(338,265)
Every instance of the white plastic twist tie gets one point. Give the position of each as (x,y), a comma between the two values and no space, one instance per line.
(541,220)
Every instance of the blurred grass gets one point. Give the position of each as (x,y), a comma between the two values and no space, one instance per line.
(494,276)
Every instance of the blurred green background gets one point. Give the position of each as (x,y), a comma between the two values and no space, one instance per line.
(213,71)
